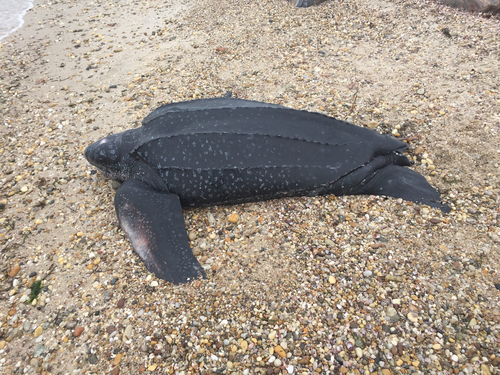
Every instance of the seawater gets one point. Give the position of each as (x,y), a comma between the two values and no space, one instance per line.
(11,15)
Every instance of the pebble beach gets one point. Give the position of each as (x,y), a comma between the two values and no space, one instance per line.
(316,285)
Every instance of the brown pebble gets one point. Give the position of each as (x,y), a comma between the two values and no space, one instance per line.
(418,150)
(117,359)
(14,270)
(435,220)
(304,361)
(270,371)
(400,349)
(280,351)
(115,371)
(141,369)
(121,302)
(394,350)
(343,370)
(110,329)
(233,218)
(78,331)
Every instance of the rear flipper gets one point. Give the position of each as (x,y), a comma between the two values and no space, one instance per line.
(394,181)
(153,221)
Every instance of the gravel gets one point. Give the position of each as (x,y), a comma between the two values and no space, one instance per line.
(354,285)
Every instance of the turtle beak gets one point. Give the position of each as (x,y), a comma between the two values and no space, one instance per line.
(90,152)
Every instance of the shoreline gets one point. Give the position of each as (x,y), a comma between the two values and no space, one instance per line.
(21,20)
(352,285)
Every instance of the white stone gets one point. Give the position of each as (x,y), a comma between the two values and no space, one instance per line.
(391,311)
(359,352)
(127,334)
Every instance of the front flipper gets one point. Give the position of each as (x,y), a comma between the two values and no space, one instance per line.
(153,221)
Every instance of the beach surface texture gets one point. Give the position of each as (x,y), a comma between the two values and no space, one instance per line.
(324,285)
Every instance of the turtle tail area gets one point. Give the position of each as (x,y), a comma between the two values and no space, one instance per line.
(153,221)
(400,182)
(387,175)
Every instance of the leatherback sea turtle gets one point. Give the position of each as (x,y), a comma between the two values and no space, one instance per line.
(227,151)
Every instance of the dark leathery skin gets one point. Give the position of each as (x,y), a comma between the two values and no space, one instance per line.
(226,151)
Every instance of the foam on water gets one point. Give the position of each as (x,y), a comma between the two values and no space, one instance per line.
(11,15)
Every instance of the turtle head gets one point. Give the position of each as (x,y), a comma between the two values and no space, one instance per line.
(111,155)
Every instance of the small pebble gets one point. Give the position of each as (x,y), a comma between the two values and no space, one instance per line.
(117,359)
(391,311)
(413,317)
(38,331)
(279,350)
(14,270)
(78,331)
(127,334)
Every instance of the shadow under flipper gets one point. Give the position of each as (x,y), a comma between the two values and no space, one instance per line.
(305,3)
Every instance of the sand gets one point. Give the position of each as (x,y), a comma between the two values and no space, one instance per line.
(325,285)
